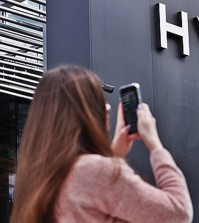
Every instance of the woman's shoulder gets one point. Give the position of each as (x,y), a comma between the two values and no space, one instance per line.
(100,168)
(91,162)
(90,170)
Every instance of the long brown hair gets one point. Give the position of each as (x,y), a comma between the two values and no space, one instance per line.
(67,117)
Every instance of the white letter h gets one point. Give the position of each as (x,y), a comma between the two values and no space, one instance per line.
(177,30)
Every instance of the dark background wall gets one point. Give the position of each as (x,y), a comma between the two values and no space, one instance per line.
(68,37)
(118,40)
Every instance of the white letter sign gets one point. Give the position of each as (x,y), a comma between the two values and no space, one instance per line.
(166,27)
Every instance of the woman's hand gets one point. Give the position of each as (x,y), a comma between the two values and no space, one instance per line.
(147,128)
(122,142)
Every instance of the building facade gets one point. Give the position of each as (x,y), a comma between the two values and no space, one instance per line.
(22,24)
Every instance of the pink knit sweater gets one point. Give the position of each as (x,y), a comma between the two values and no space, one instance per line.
(90,194)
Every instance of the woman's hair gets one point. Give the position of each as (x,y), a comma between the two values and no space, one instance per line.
(67,118)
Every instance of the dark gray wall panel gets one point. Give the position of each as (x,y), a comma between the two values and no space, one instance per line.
(176,89)
(121,53)
(68,32)
(124,49)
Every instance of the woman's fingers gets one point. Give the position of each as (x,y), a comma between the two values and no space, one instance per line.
(147,127)
(120,118)
(134,137)
(144,108)
(122,143)
(120,115)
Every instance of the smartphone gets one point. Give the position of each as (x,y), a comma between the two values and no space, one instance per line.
(130,96)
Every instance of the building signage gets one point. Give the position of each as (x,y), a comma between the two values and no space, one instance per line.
(181,31)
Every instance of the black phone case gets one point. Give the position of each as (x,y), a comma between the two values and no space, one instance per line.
(130,97)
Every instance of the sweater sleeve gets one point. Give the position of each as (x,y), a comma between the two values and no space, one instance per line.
(131,199)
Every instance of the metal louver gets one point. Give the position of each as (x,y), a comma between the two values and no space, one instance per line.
(21,46)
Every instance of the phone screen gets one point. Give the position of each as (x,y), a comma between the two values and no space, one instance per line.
(130,103)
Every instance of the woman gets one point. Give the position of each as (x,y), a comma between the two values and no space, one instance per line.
(69,172)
